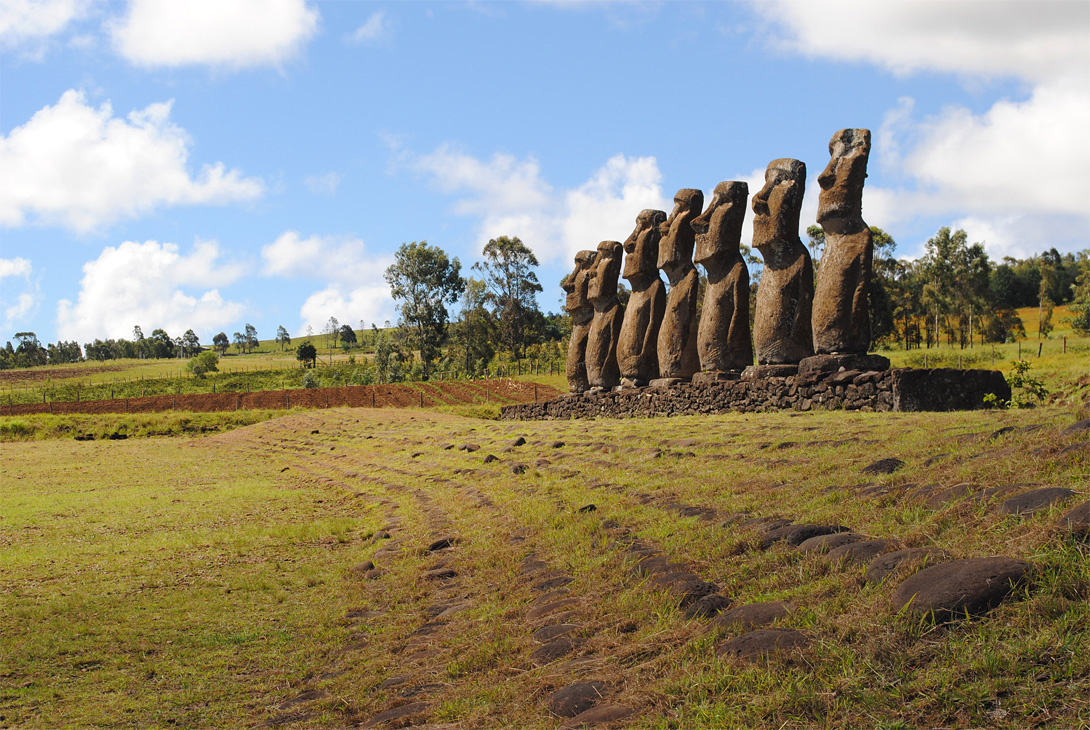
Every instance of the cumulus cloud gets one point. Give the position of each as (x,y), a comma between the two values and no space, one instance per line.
(357,289)
(84,168)
(24,21)
(1032,40)
(26,301)
(1018,166)
(236,34)
(375,29)
(325,184)
(151,283)
(511,197)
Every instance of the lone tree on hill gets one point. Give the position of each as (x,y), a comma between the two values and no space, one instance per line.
(424,280)
(348,335)
(221,342)
(282,337)
(512,285)
(307,353)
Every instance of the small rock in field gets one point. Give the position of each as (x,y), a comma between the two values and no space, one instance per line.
(552,583)
(886,565)
(588,508)
(442,543)
(753,615)
(859,552)
(883,466)
(1030,503)
(599,715)
(575,698)
(763,643)
(553,631)
(795,535)
(972,585)
(555,649)
(519,468)
(707,606)
(1078,427)
(937,458)
(1076,522)
(397,713)
(543,462)
(440,574)
(542,611)
(362,567)
(518,441)
(825,543)
(557,444)
(490,458)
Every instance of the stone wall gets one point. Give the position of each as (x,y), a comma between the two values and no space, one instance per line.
(900,389)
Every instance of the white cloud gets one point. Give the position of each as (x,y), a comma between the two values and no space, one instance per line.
(146,283)
(323,184)
(84,168)
(375,29)
(31,20)
(232,33)
(356,289)
(26,301)
(350,305)
(1031,40)
(511,198)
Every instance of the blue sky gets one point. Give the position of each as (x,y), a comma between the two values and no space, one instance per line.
(211,163)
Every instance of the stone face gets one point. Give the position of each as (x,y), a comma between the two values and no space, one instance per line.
(723,339)
(677,335)
(579,306)
(605,327)
(782,332)
(575,698)
(637,348)
(972,585)
(841,312)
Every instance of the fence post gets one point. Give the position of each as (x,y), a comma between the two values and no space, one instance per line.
(372,397)
(1065,344)
(1019,350)
(1040,347)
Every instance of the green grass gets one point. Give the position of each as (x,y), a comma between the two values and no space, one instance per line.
(44,426)
(204,581)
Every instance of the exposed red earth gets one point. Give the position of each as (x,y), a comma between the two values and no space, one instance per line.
(358,396)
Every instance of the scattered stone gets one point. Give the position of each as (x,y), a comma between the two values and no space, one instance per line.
(550,584)
(469,447)
(825,543)
(382,535)
(575,698)
(447,447)
(398,714)
(542,611)
(763,643)
(542,462)
(518,441)
(795,535)
(395,681)
(553,631)
(972,585)
(308,696)
(440,574)
(1076,522)
(532,566)
(451,610)
(557,445)
(588,508)
(490,458)
(1031,503)
(886,565)
(362,567)
(1001,432)
(707,606)
(859,552)
(599,715)
(372,574)
(442,543)
(415,454)
(932,460)
(1078,427)
(753,615)
(555,649)
(692,591)
(884,466)
(519,468)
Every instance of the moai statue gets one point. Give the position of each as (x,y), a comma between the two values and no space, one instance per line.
(722,340)
(637,348)
(582,311)
(781,330)
(677,334)
(841,313)
(605,328)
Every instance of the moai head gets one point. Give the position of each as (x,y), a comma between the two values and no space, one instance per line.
(719,228)
(841,182)
(607,267)
(577,282)
(678,237)
(642,247)
(777,207)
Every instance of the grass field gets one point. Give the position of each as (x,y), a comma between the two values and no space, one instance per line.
(223,580)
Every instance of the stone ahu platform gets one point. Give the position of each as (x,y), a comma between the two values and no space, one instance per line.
(900,389)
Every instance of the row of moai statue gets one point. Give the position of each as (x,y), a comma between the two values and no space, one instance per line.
(657,339)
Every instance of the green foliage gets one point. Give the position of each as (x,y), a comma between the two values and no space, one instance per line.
(511,289)
(206,362)
(1080,300)
(1027,391)
(309,380)
(424,280)
(307,353)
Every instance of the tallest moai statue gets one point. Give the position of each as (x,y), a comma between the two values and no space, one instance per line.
(841,311)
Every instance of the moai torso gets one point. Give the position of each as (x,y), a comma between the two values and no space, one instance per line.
(782,333)
(841,318)
(677,335)
(605,327)
(637,348)
(723,338)
(581,310)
